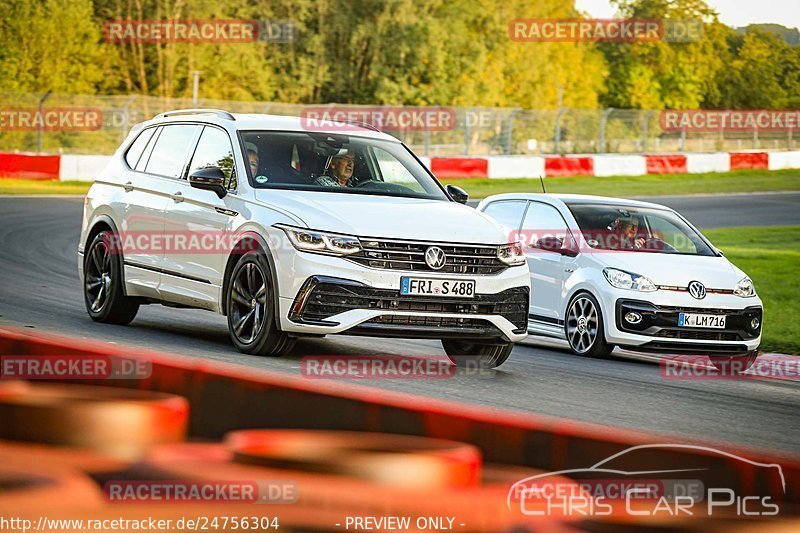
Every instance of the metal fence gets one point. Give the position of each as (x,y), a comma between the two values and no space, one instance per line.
(477,130)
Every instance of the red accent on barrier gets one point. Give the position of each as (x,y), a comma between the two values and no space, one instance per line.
(666,164)
(749,160)
(568,166)
(460,167)
(29,166)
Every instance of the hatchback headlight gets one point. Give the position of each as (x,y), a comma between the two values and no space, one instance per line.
(745,288)
(511,254)
(321,242)
(628,280)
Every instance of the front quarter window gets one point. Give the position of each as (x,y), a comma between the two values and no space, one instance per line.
(214,151)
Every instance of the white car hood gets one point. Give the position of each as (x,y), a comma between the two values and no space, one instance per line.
(678,270)
(386,216)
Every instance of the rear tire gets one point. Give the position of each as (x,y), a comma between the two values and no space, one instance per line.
(103,293)
(584,327)
(734,364)
(251,311)
(474,355)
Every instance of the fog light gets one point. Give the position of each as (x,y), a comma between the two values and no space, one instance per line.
(754,324)
(632,317)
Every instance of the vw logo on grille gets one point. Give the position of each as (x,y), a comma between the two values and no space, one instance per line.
(697,290)
(434,257)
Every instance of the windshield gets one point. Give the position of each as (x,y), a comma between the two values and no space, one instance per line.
(637,229)
(335,163)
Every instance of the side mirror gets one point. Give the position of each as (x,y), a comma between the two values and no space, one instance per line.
(457,194)
(554,244)
(209,179)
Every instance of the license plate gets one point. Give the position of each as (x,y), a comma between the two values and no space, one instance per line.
(449,288)
(691,320)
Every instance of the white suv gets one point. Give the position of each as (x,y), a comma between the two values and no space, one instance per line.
(246,215)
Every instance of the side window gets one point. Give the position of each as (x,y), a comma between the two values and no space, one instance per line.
(508,213)
(214,150)
(170,149)
(137,147)
(542,224)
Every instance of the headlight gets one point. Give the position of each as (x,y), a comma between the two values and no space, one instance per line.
(745,288)
(628,280)
(511,254)
(321,242)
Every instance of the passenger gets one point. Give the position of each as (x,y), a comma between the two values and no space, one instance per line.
(340,171)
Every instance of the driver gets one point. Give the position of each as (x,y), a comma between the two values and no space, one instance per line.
(340,171)
(628,230)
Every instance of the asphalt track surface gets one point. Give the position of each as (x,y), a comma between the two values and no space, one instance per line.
(39,289)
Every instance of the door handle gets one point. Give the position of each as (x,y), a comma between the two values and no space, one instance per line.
(178,196)
(128,186)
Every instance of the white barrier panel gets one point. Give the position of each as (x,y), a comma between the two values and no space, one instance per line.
(619,165)
(516,166)
(783,160)
(711,162)
(425,161)
(82,167)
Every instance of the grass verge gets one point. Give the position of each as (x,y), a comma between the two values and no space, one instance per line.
(770,256)
(17,186)
(650,185)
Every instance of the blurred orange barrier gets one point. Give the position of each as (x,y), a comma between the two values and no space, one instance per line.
(227,397)
(325,497)
(124,423)
(26,486)
(400,460)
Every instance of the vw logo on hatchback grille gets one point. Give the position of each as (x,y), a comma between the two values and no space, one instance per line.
(697,290)
(434,257)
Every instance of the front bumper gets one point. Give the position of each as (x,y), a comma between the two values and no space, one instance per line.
(657,329)
(332,305)
(381,318)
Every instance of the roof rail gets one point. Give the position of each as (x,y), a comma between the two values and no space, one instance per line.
(177,112)
(361,124)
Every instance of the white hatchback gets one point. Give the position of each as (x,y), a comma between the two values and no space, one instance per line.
(294,231)
(610,272)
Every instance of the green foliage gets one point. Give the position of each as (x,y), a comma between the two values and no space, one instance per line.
(413,52)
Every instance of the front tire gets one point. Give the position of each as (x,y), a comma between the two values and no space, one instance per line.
(474,355)
(103,293)
(584,327)
(734,364)
(251,312)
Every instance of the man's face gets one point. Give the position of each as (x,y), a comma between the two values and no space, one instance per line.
(630,227)
(343,166)
(253,158)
